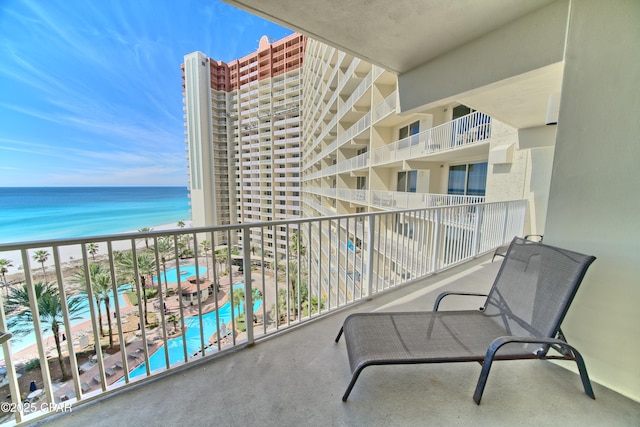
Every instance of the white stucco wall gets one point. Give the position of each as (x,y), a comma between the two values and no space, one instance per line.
(505,181)
(593,202)
(528,174)
(197,94)
(529,43)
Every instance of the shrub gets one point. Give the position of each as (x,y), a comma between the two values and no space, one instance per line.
(31,364)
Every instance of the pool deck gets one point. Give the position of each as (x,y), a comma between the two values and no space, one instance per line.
(90,376)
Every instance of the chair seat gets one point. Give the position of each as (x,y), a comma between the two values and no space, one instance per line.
(423,337)
(520,319)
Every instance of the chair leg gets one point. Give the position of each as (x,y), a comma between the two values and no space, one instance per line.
(482,381)
(339,334)
(584,376)
(496,344)
(354,378)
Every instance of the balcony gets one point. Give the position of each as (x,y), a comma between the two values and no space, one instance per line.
(465,131)
(295,380)
(348,260)
(405,200)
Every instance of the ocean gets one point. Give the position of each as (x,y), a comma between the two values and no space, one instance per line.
(41,213)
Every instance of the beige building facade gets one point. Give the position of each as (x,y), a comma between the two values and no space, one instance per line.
(507,59)
(242,128)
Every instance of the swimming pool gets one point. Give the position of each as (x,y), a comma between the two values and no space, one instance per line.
(185,271)
(192,336)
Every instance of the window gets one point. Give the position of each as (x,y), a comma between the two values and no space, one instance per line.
(407,181)
(361,182)
(468,180)
(409,130)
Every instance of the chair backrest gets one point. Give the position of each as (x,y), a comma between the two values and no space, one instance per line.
(534,288)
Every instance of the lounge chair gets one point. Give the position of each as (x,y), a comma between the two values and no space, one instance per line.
(70,394)
(502,250)
(520,319)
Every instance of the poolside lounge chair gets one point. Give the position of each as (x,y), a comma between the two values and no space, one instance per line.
(70,394)
(520,319)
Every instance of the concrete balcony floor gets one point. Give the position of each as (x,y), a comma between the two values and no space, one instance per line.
(298,378)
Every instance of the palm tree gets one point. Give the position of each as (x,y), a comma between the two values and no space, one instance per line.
(280,306)
(206,247)
(238,300)
(314,303)
(102,284)
(221,257)
(184,243)
(174,318)
(92,248)
(146,269)
(180,224)
(297,246)
(164,247)
(100,281)
(117,255)
(4,269)
(50,311)
(146,239)
(41,256)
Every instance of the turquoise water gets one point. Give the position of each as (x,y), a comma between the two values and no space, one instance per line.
(185,271)
(192,336)
(40,213)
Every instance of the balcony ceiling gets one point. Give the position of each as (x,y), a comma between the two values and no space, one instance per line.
(398,35)
(401,35)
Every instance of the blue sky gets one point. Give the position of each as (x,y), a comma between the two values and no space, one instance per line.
(90,90)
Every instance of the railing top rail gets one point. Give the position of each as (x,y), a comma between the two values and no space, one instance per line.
(181,231)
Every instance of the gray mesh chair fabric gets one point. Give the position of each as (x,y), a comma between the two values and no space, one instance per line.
(502,250)
(520,319)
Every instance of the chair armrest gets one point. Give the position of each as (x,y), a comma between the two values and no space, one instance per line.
(447,293)
(572,354)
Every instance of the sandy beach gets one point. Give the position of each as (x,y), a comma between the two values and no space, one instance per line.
(73,253)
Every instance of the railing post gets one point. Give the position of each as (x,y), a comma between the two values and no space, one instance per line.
(476,232)
(246,270)
(12,378)
(371,231)
(436,241)
(504,224)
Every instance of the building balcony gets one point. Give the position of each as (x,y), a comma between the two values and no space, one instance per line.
(211,380)
(310,375)
(405,200)
(469,130)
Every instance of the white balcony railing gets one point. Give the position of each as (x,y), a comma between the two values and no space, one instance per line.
(406,200)
(470,129)
(345,259)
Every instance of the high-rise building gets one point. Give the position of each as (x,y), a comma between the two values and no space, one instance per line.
(359,154)
(242,127)
(300,128)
